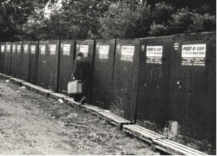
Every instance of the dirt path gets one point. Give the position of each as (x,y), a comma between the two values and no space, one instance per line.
(33,124)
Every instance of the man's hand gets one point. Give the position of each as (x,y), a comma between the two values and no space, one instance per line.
(72,78)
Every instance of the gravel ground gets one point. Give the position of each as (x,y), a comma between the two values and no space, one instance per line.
(31,123)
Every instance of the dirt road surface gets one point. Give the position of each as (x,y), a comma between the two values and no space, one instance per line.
(31,123)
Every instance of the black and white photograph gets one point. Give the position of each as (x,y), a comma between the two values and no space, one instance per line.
(108,77)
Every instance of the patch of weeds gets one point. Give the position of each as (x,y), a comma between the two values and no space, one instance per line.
(27,107)
(3,113)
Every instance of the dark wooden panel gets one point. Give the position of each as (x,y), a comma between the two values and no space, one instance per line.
(33,61)
(8,55)
(193,91)
(153,96)
(25,60)
(103,73)
(43,70)
(125,78)
(67,50)
(210,105)
(2,56)
(53,63)
(14,60)
(87,47)
(19,55)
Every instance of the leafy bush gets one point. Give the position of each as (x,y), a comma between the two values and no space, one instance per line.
(124,21)
(197,20)
(101,19)
(162,12)
(157,29)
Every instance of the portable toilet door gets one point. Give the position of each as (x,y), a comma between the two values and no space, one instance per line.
(67,50)
(14,61)
(25,61)
(87,48)
(103,72)
(193,89)
(43,71)
(8,57)
(53,65)
(125,79)
(33,61)
(2,56)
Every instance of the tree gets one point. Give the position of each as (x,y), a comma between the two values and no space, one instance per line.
(13,14)
(185,20)
(126,20)
(161,17)
(191,4)
(24,19)
(77,19)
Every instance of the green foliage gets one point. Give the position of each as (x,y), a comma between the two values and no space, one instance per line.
(181,20)
(77,19)
(13,14)
(185,20)
(162,12)
(122,20)
(158,29)
(24,19)
(202,21)
(117,22)
(161,17)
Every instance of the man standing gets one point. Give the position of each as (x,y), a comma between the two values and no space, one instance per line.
(80,72)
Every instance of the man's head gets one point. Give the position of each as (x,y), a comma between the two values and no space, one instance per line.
(80,54)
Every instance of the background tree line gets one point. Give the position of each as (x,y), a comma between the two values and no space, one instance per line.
(25,20)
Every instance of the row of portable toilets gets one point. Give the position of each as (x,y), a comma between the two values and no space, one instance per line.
(161,83)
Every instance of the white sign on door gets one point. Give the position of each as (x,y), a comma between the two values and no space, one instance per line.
(18,48)
(14,48)
(194,54)
(103,52)
(154,54)
(53,49)
(8,48)
(33,48)
(127,53)
(66,49)
(84,49)
(42,49)
(25,47)
(2,48)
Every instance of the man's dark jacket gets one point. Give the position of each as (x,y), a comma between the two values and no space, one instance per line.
(80,69)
